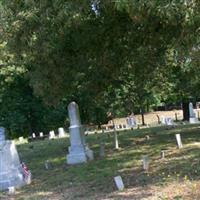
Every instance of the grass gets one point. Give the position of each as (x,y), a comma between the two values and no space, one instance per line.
(178,172)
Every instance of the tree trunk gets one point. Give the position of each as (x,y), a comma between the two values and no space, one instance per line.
(142,114)
(185,107)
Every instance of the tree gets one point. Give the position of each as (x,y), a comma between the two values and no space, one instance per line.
(74,52)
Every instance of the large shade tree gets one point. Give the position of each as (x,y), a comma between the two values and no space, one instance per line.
(100,54)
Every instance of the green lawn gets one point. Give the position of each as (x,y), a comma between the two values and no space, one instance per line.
(94,180)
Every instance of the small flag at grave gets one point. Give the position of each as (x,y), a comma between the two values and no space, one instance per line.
(25,171)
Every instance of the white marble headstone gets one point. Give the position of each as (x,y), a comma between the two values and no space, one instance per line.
(52,135)
(41,134)
(61,132)
(119,182)
(178,140)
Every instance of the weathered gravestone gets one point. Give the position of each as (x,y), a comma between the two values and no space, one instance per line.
(119,182)
(178,141)
(102,150)
(145,162)
(11,171)
(78,151)
(192,114)
(52,135)
(167,121)
(61,132)
(41,134)
(131,121)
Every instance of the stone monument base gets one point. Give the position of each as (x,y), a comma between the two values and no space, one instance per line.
(76,158)
(193,120)
(79,155)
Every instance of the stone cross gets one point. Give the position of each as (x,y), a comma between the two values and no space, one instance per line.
(79,152)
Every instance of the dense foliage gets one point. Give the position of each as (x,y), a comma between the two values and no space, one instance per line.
(108,56)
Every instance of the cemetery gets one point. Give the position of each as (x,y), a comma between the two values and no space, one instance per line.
(99,100)
(145,163)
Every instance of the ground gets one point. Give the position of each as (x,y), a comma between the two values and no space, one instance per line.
(175,177)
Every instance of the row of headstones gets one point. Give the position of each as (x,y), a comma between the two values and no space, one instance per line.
(52,135)
(131,122)
(145,163)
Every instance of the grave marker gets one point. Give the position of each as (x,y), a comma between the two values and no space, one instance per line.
(11,171)
(119,182)
(61,132)
(192,114)
(102,150)
(52,135)
(41,134)
(178,140)
(145,162)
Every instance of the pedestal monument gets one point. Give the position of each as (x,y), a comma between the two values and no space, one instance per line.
(11,171)
(79,152)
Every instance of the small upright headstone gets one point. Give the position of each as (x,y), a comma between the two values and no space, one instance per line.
(131,121)
(116,140)
(119,183)
(33,136)
(192,118)
(21,139)
(61,132)
(162,154)
(102,150)
(47,165)
(167,121)
(147,137)
(41,134)
(145,162)
(178,140)
(52,135)
(79,152)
